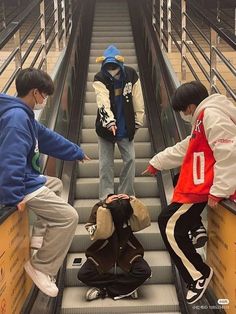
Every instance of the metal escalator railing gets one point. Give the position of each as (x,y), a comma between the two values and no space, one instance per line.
(183,24)
(29,37)
(7,14)
(165,126)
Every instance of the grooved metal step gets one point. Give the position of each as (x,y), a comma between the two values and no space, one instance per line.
(89,121)
(110,40)
(142,150)
(90,108)
(121,45)
(90,135)
(91,169)
(150,238)
(109,33)
(159,261)
(89,187)
(152,299)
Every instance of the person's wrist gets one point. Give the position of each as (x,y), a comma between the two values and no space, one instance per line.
(152,169)
(215,198)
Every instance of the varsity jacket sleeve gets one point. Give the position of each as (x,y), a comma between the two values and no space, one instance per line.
(104,105)
(138,103)
(53,144)
(221,135)
(171,157)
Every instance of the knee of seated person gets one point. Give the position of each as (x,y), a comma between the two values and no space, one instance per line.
(147,272)
(59,186)
(141,268)
(73,216)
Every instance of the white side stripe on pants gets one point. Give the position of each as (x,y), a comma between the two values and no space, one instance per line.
(170,228)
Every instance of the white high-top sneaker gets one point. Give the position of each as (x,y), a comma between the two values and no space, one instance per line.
(44,282)
(36,242)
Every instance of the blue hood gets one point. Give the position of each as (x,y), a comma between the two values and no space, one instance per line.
(110,55)
(8,102)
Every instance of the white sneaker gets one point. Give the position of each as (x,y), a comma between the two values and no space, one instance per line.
(95,293)
(198,287)
(44,282)
(36,242)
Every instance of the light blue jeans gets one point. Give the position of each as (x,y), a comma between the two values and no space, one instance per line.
(106,167)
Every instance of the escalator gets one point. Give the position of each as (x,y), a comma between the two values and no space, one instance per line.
(112,25)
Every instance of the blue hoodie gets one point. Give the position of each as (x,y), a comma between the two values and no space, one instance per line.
(22,139)
(110,57)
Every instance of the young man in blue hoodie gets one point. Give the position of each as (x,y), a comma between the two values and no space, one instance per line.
(22,139)
(120,113)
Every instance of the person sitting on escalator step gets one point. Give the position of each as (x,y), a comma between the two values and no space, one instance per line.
(111,225)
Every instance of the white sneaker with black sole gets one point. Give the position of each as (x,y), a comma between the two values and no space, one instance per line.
(198,287)
(44,282)
(95,293)
(198,237)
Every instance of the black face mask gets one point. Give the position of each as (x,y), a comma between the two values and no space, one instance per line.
(111,66)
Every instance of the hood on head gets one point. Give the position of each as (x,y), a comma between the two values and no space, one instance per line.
(8,102)
(111,55)
(217,101)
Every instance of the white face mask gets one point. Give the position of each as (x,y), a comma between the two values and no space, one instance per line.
(40,106)
(114,72)
(187,118)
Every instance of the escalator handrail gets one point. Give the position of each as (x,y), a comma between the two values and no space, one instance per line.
(210,19)
(15,25)
(5,212)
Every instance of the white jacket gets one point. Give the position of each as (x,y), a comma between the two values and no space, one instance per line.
(220,128)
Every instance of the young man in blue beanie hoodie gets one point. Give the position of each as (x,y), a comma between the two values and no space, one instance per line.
(22,139)
(120,113)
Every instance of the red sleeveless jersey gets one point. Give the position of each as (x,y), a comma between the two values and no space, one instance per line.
(197,173)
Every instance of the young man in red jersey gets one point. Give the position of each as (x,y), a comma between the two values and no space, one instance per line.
(207,159)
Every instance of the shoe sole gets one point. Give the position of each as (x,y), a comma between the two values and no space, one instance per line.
(207,283)
(200,242)
(29,269)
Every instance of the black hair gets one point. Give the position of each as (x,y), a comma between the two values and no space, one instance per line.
(188,93)
(121,211)
(31,78)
